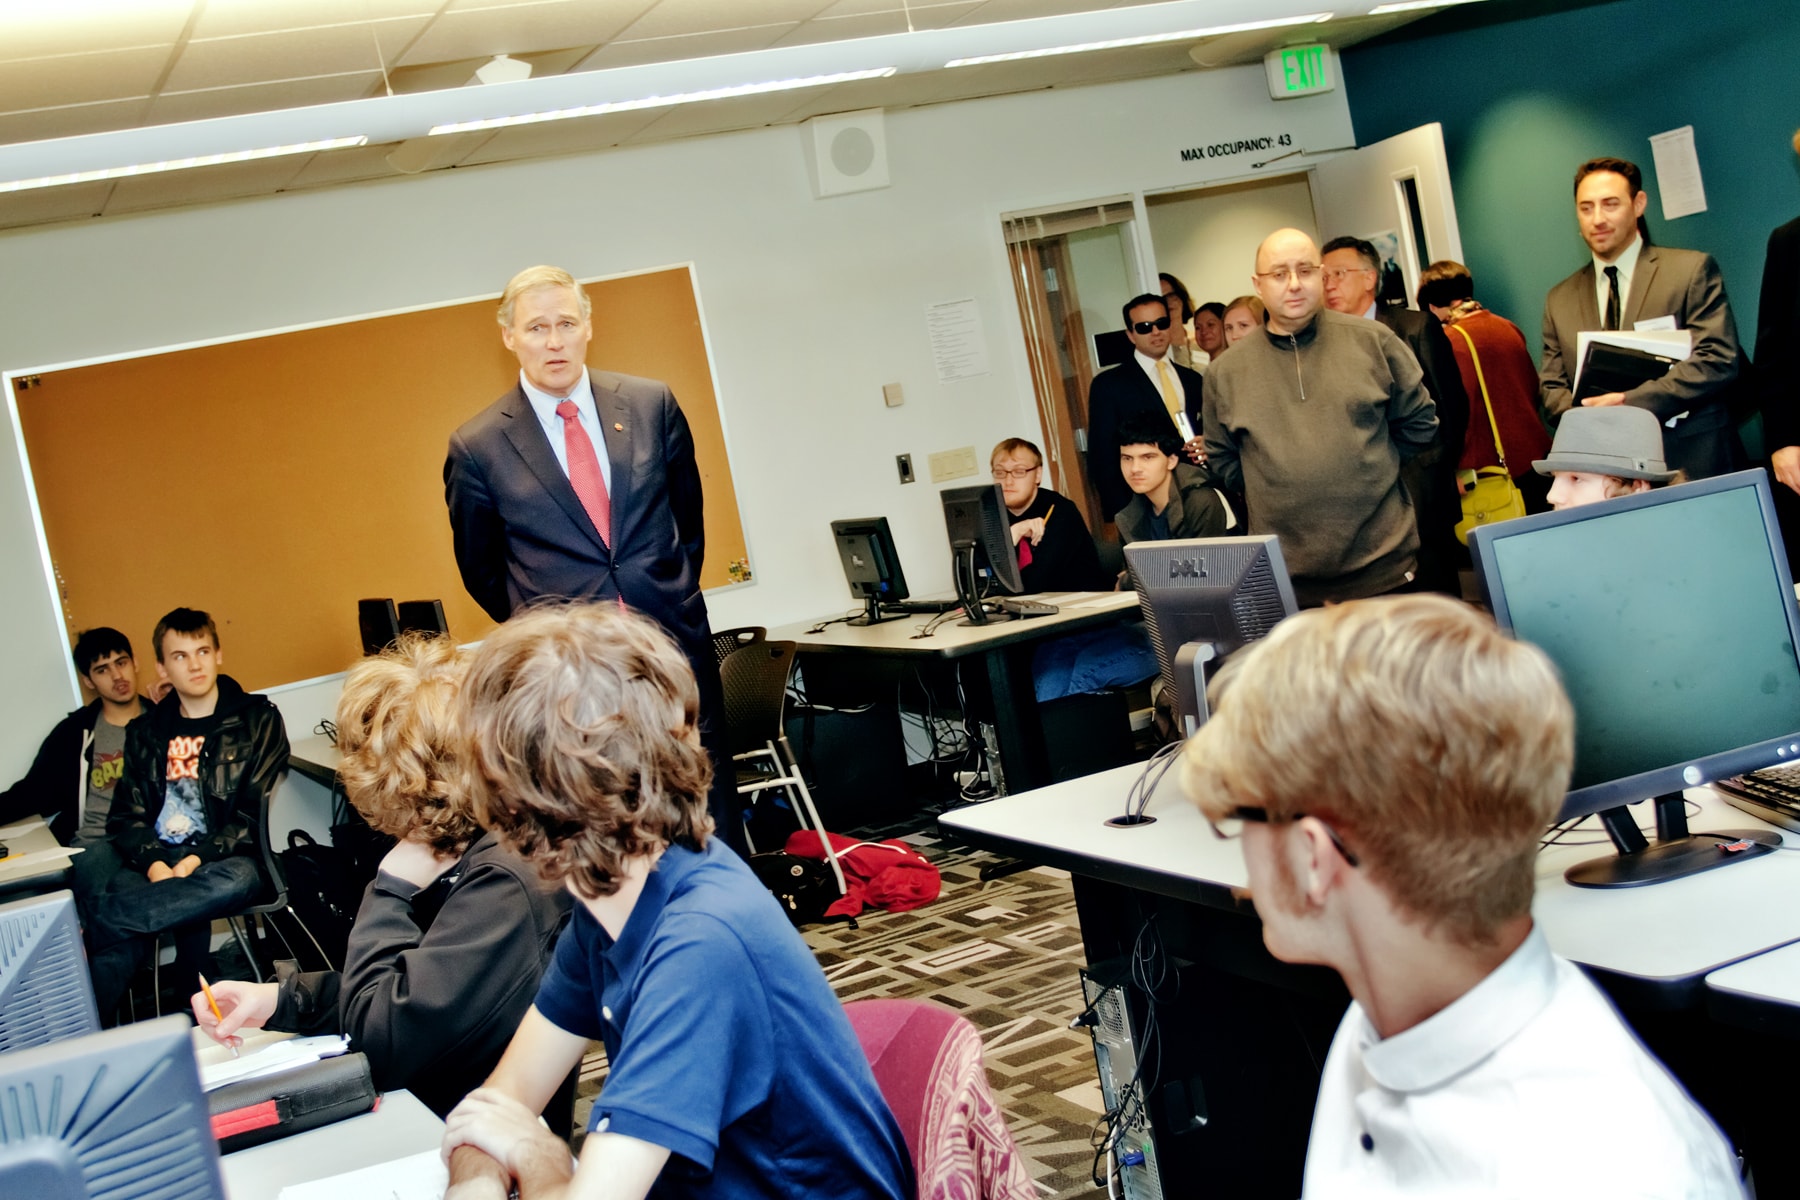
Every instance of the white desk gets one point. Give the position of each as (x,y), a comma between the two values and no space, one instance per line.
(1003,647)
(1661,939)
(1761,993)
(401,1126)
(41,876)
(315,757)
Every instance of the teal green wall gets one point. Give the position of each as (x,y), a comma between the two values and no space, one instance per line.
(1524,99)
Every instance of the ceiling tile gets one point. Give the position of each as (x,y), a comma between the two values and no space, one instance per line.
(262,97)
(229,18)
(41,205)
(676,49)
(678,18)
(297,54)
(925,15)
(836,29)
(433,77)
(343,166)
(1022,10)
(72,120)
(521,29)
(81,78)
(561,137)
(82,26)
(199,185)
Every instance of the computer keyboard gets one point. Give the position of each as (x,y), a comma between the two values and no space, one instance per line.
(1026,608)
(1772,793)
(920,606)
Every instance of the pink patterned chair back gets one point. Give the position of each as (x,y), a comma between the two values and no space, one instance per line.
(927,1062)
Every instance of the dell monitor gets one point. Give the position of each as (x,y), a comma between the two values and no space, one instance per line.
(981,548)
(45,994)
(865,546)
(117,1114)
(1202,598)
(1670,616)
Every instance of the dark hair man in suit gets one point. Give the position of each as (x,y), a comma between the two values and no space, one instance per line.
(1630,284)
(1147,382)
(582,483)
(1352,281)
(1778,372)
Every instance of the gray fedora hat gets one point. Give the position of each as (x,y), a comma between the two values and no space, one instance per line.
(1617,440)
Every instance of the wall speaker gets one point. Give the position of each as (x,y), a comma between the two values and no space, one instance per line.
(847,152)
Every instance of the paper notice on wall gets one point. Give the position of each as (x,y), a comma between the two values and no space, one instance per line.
(1678,173)
(958,346)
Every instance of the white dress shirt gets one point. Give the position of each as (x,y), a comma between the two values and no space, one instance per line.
(1150,368)
(544,405)
(1529,1085)
(1627,264)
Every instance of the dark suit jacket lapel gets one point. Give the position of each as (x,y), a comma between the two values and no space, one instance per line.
(1640,287)
(618,428)
(527,437)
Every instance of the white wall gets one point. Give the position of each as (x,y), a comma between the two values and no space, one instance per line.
(1208,239)
(810,305)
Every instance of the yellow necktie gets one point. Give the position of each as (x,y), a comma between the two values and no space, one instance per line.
(1171,398)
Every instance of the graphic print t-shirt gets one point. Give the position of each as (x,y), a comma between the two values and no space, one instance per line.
(108,754)
(183,817)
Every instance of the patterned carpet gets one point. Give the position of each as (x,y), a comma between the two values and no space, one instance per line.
(1003,953)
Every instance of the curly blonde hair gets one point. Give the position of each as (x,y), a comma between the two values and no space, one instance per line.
(398,737)
(581,742)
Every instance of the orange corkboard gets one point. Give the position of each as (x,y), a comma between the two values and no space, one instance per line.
(276,480)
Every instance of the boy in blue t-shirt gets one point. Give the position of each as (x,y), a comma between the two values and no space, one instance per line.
(733,1070)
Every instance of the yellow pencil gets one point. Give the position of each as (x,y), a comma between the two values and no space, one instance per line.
(1047,513)
(217,1015)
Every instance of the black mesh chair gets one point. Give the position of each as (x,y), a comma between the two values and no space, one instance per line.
(273,900)
(755,680)
(727,640)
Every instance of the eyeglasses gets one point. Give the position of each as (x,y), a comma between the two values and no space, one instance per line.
(1019,473)
(1336,274)
(1304,273)
(1143,327)
(1231,825)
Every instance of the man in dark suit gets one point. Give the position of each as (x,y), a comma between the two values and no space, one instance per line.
(1630,284)
(1147,382)
(1778,375)
(1352,283)
(581,483)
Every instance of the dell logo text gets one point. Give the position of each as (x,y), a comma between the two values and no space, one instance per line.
(1187,568)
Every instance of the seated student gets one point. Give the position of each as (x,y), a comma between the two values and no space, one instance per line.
(187,810)
(455,930)
(71,780)
(1056,551)
(1170,498)
(733,1070)
(1600,453)
(1473,1061)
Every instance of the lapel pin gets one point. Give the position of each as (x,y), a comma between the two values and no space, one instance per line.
(618,428)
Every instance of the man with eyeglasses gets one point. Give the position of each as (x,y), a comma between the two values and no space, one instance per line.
(1472,1060)
(1309,420)
(1055,550)
(1148,382)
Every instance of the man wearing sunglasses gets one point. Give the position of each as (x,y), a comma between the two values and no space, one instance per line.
(1147,382)
(1390,765)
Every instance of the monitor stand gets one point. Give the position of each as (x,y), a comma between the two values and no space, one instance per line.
(1676,852)
(872,614)
(968,590)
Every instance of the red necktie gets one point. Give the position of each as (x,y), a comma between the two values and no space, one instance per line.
(584,471)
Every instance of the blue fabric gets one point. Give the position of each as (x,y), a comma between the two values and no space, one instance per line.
(1091,661)
(724,1043)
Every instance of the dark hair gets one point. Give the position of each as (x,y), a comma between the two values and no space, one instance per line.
(1634,179)
(1180,292)
(92,645)
(1213,307)
(1139,302)
(1445,282)
(1365,250)
(1149,429)
(190,621)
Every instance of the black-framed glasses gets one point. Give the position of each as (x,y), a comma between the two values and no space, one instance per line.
(1142,328)
(1231,825)
(1002,473)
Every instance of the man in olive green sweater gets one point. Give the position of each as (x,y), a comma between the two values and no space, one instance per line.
(1310,420)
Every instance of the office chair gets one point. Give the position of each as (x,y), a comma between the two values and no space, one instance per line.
(277,901)
(727,640)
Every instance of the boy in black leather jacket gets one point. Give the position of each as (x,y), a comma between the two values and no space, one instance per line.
(187,813)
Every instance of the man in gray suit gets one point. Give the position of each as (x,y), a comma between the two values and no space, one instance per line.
(1631,284)
(583,484)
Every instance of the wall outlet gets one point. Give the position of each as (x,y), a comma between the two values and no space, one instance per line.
(904,462)
(953,464)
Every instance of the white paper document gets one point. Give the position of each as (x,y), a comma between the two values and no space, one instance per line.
(421,1176)
(1678,173)
(273,1059)
(22,828)
(32,858)
(958,345)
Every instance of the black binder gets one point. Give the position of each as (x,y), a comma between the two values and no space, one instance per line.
(1618,369)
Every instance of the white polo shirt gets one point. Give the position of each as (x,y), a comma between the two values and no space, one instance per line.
(1530,1085)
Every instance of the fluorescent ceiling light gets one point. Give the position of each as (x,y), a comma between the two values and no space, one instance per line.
(180,164)
(719,93)
(1150,39)
(1414,6)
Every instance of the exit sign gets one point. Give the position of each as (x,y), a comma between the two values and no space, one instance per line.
(1300,71)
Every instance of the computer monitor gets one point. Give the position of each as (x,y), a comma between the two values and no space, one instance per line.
(45,993)
(1202,598)
(379,623)
(117,1114)
(422,616)
(981,548)
(865,546)
(1671,618)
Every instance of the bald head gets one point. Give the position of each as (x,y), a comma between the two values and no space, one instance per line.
(1288,279)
